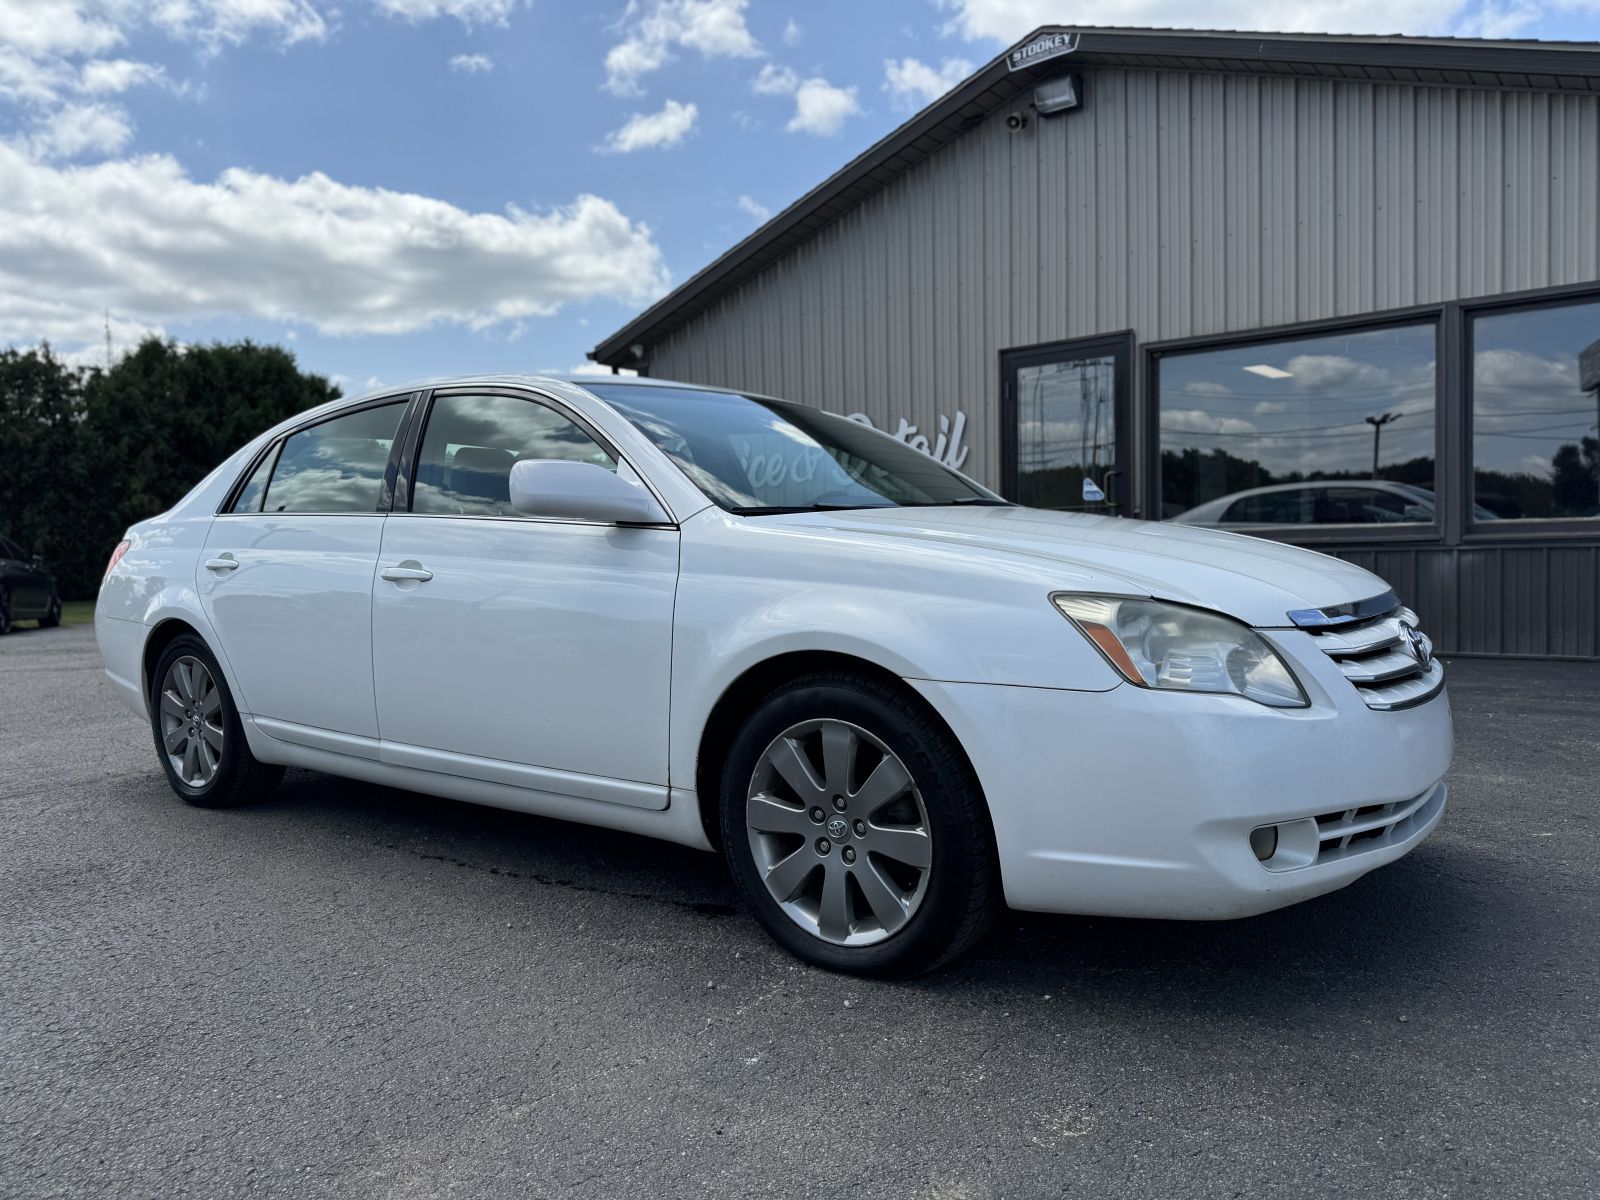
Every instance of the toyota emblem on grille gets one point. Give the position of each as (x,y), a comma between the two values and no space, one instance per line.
(1421,647)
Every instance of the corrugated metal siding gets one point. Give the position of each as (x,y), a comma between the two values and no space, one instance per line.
(1180,205)
(1173,204)
(1536,601)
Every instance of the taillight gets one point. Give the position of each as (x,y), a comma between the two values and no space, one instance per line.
(116,557)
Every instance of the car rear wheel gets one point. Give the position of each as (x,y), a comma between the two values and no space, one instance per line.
(199,739)
(854,827)
(52,616)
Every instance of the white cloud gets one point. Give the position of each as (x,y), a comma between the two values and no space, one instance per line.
(107,76)
(652,131)
(472,64)
(820,108)
(913,84)
(753,207)
(37,28)
(715,28)
(82,129)
(1008,20)
(214,23)
(792,33)
(142,239)
(468,12)
(774,80)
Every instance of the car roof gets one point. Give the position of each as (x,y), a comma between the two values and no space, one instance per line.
(580,380)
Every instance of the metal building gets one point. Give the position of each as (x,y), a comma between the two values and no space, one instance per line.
(1342,291)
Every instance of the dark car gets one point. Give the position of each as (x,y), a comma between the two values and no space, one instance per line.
(27,590)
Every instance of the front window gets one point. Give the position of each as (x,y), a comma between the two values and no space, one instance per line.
(1535,425)
(1354,409)
(472,442)
(761,456)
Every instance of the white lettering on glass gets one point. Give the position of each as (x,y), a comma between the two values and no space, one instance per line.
(947,445)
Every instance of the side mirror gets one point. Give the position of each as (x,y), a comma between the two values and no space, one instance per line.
(580,491)
(38,560)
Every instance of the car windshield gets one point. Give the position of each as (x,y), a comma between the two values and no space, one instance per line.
(755,456)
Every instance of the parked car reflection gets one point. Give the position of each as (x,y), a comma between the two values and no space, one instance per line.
(1322,502)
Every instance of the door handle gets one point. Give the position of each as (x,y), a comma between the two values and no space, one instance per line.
(406,574)
(223,562)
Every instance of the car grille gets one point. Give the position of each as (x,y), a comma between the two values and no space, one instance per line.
(1377,658)
(1374,826)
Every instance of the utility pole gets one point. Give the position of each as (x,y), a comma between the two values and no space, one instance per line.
(108,341)
(1377,424)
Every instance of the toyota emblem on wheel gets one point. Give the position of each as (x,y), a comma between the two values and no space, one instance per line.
(838,829)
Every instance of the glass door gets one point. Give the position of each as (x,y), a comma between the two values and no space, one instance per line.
(1064,425)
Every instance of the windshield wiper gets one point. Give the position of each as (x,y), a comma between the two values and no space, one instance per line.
(967,500)
(778,509)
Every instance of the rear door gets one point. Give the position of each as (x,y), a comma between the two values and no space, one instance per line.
(286,577)
(535,652)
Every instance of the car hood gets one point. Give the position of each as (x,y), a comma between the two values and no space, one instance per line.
(1253,579)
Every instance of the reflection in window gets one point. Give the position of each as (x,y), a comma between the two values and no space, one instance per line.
(250,496)
(336,466)
(1257,435)
(1066,430)
(1535,429)
(472,442)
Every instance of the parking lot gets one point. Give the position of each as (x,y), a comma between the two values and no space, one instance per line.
(353,991)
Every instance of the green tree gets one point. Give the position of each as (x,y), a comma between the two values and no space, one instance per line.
(85,454)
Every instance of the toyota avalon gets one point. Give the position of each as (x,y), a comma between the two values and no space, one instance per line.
(894,702)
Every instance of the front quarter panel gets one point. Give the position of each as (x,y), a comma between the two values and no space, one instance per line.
(751,591)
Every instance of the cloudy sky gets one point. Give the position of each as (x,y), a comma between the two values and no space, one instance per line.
(402,188)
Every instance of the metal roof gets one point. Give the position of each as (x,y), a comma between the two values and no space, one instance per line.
(1450,62)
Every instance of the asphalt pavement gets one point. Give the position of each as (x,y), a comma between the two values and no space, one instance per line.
(352,991)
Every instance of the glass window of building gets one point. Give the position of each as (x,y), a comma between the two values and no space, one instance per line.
(1535,426)
(1336,429)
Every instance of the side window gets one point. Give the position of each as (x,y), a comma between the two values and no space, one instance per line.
(336,466)
(255,488)
(472,442)
(1269,508)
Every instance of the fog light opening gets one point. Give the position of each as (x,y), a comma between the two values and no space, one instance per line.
(1264,842)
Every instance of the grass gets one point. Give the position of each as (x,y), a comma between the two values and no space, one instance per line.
(77,612)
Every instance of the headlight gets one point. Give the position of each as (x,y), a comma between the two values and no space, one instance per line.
(1168,646)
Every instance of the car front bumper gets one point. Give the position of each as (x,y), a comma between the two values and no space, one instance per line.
(1139,803)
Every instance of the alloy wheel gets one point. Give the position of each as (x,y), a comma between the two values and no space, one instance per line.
(191,721)
(839,832)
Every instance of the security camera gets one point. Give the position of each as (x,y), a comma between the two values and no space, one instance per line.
(1015,121)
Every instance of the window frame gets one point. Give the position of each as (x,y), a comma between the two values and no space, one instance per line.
(385,492)
(1474,531)
(414,434)
(1420,531)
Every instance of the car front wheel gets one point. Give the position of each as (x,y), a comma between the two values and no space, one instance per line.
(199,739)
(52,616)
(854,827)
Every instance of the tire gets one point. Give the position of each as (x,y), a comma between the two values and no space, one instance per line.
(214,776)
(884,902)
(5,612)
(52,616)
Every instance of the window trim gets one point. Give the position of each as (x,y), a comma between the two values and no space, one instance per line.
(1421,531)
(225,509)
(422,412)
(1474,531)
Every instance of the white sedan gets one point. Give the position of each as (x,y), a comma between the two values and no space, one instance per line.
(894,701)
